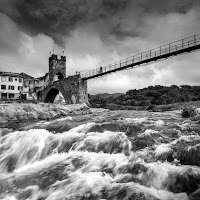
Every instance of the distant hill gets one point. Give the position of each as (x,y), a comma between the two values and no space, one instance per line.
(146,97)
(107,95)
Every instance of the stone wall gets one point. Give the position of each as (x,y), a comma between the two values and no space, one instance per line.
(83,95)
(73,89)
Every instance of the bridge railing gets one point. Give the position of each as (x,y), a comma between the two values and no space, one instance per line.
(170,48)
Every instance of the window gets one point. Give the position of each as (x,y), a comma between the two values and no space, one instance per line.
(20,80)
(15,79)
(20,88)
(11,96)
(10,87)
(10,79)
(4,95)
(3,87)
(3,78)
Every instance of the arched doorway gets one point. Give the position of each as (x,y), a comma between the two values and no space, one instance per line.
(59,76)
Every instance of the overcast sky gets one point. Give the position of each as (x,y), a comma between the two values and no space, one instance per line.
(98,32)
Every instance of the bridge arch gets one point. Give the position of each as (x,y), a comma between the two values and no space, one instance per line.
(51,92)
(73,89)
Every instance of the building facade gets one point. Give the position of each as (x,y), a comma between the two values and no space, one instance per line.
(14,85)
(11,85)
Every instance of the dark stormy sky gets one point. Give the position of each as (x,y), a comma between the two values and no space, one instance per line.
(98,32)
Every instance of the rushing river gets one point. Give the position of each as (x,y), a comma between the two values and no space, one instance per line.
(112,155)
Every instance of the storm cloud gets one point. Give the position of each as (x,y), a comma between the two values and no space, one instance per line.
(57,18)
(98,32)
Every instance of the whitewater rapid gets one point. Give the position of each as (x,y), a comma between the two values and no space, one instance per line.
(112,155)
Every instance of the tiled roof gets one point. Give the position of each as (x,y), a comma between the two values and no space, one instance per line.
(40,78)
(43,77)
(22,75)
(26,76)
(10,74)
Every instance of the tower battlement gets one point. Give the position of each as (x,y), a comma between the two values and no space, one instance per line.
(55,57)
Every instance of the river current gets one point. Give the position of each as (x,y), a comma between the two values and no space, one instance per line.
(112,155)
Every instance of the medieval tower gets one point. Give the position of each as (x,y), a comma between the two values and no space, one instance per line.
(57,68)
(73,88)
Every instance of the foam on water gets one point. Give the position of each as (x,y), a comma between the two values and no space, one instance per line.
(162,149)
(52,161)
(159,123)
(83,128)
(9,198)
(108,142)
(23,147)
(56,124)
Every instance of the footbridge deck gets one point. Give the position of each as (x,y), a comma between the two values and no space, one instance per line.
(184,45)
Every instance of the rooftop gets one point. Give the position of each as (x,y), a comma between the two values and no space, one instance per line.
(26,76)
(20,75)
(10,74)
(43,77)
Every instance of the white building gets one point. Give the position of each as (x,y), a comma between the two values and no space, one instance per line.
(11,85)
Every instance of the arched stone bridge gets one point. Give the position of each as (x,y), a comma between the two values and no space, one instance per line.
(73,89)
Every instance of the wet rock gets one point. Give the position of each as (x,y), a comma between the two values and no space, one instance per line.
(27,192)
(186,149)
(5,131)
(195,195)
(187,180)
(134,191)
(146,139)
(41,111)
(171,133)
(189,155)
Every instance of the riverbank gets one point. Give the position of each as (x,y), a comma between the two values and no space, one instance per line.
(42,111)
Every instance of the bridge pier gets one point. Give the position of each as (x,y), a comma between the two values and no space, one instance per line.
(73,89)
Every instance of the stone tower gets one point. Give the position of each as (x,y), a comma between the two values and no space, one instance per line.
(57,68)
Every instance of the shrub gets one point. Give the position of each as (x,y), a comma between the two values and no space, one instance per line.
(188,111)
(151,108)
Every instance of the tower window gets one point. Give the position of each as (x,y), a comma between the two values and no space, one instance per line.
(10,79)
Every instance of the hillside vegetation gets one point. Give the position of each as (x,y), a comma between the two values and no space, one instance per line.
(147,98)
